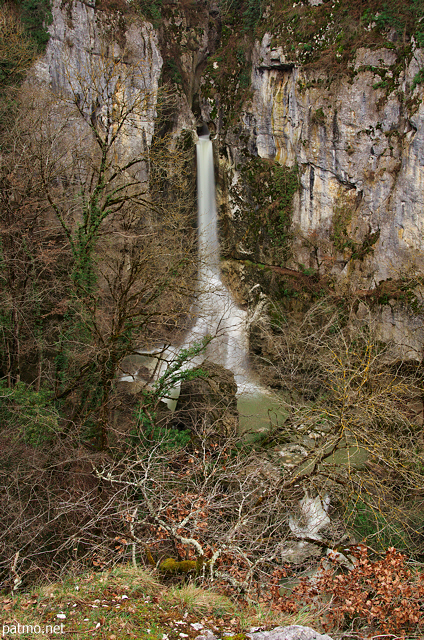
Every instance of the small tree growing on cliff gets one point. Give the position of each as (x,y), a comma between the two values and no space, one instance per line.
(16,50)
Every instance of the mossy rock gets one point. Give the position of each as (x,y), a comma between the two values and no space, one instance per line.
(171,566)
(209,400)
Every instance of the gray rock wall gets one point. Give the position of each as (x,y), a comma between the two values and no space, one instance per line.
(82,44)
(356,148)
(359,214)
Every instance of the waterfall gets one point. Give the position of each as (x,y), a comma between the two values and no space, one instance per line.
(206,207)
(217,313)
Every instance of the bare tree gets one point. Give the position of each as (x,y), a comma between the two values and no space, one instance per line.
(30,252)
(348,401)
(236,512)
(123,201)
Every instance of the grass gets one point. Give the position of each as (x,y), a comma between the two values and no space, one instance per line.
(265,617)
(129,603)
(199,601)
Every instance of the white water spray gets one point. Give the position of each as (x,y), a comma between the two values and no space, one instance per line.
(217,313)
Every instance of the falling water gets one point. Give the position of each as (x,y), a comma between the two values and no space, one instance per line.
(217,314)
(215,311)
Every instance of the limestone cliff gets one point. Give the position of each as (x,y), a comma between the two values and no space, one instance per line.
(360,158)
(351,145)
(81,38)
(357,143)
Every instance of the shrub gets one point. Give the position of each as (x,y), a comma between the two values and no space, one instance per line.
(381,593)
(29,413)
(252,14)
(36,16)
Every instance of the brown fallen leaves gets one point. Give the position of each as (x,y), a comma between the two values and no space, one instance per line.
(383,594)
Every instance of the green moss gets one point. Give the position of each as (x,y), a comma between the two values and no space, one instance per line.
(264,196)
(185,140)
(284,184)
(171,566)
(365,247)
(287,292)
(307,271)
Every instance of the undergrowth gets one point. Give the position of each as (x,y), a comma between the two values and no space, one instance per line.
(382,595)
(129,603)
(377,596)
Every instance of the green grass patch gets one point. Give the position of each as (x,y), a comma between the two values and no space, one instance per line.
(128,602)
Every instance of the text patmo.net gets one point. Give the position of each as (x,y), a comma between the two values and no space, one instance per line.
(17,629)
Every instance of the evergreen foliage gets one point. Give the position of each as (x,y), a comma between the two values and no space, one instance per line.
(36,17)
(252,14)
(30,414)
(150,9)
(147,431)
(264,199)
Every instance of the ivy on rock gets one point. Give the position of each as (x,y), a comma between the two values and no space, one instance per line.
(264,200)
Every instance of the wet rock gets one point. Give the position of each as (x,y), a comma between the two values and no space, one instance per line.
(291,454)
(298,552)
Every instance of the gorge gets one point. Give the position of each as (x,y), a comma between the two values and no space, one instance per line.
(247,170)
(355,217)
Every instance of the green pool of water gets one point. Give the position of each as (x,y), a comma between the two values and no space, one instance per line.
(259,412)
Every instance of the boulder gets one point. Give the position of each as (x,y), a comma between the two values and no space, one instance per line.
(208,403)
(293,632)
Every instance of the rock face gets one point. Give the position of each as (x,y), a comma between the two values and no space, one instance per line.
(84,43)
(356,212)
(293,632)
(357,217)
(361,161)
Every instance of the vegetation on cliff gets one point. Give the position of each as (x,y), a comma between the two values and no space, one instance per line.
(34,17)
(97,260)
(263,204)
(329,33)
